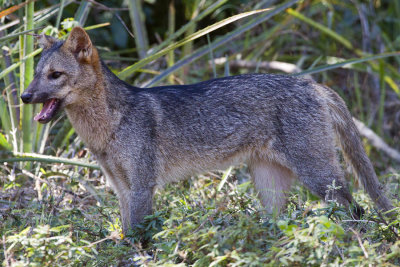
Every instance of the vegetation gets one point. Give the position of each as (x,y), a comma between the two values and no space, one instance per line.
(55,206)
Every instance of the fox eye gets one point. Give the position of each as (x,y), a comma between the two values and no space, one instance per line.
(55,75)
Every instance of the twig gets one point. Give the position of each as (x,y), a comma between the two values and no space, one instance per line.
(266,65)
(12,9)
(361,245)
(14,35)
(376,141)
(359,221)
(5,251)
(104,7)
(89,232)
(38,13)
(17,157)
(123,24)
(263,65)
(113,236)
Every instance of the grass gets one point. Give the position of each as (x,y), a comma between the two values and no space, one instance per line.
(55,206)
(194,224)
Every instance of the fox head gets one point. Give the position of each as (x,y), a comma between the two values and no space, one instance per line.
(66,71)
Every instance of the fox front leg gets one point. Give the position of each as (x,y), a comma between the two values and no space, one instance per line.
(135,194)
(135,205)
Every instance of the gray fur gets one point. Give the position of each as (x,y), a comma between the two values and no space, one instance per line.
(279,125)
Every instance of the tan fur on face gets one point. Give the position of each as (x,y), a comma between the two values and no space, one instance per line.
(85,99)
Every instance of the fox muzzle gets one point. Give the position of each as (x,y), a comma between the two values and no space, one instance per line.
(26,97)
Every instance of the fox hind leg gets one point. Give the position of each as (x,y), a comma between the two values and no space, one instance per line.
(272,181)
(324,177)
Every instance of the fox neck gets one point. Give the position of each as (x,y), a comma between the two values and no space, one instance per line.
(93,119)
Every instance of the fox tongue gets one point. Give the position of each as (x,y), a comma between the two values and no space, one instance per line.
(46,110)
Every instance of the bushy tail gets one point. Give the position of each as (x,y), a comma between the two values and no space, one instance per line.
(353,150)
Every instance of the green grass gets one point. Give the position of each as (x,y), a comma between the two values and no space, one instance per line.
(55,206)
(194,224)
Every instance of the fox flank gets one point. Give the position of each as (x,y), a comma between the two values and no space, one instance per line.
(284,128)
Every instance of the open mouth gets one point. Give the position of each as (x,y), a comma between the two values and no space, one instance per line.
(49,110)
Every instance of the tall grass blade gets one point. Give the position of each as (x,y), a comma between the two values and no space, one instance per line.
(5,119)
(60,12)
(392,84)
(27,71)
(220,41)
(345,63)
(211,55)
(381,108)
(92,27)
(224,178)
(19,63)
(171,30)
(11,36)
(83,12)
(192,10)
(184,28)
(139,29)
(42,138)
(226,67)
(358,94)
(321,27)
(12,110)
(131,69)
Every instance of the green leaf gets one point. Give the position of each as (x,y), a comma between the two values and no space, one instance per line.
(4,143)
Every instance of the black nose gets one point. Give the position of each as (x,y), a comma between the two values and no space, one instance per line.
(26,97)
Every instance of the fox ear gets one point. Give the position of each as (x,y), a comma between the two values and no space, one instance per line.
(79,44)
(45,41)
